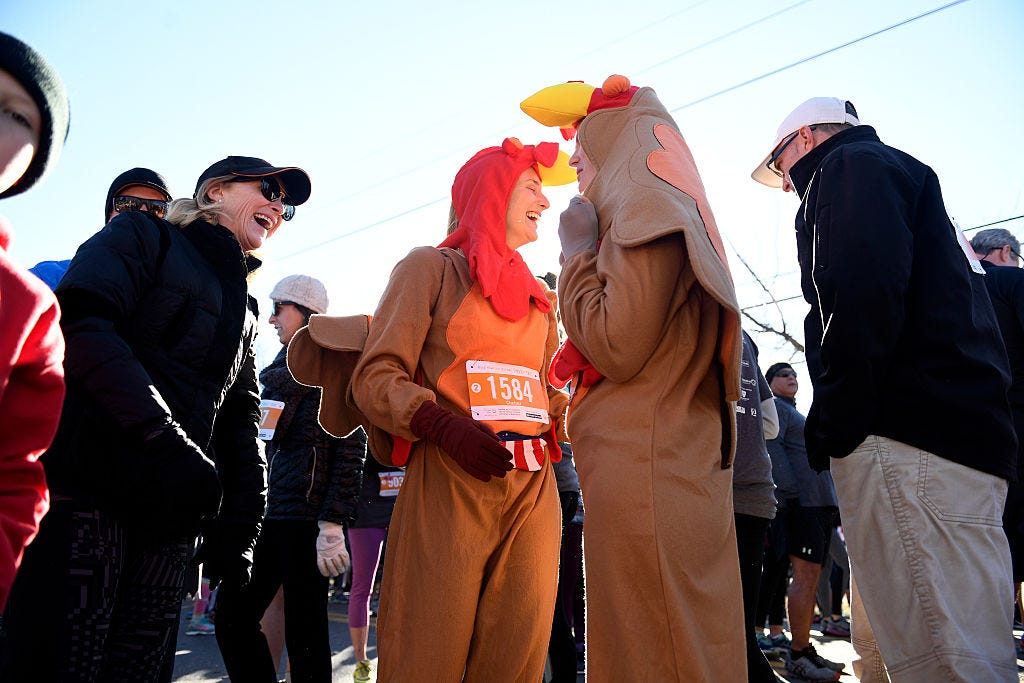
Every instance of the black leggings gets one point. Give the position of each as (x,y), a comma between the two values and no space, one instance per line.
(750,535)
(94,601)
(285,555)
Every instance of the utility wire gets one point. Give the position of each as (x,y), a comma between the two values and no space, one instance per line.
(815,56)
(679,108)
(1004,220)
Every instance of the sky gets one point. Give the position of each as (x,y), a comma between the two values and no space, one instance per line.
(381,103)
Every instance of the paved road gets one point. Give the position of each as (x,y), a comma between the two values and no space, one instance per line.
(198,659)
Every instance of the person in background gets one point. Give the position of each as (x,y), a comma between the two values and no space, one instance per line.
(808,521)
(157,437)
(455,368)
(366,535)
(999,252)
(33,128)
(314,478)
(137,189)
(903,351)
(654,407)
(753,496)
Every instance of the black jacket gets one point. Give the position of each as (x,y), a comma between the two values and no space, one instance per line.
(313,476)
(159,326)
(902,341)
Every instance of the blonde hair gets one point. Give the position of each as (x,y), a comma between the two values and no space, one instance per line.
(453,220)
(185,211)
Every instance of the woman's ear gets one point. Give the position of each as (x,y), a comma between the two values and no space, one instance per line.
(216,192)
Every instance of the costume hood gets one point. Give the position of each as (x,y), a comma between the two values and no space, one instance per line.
(480,196)
(646,184)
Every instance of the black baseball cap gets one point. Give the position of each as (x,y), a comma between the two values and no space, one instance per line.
(295,181)
(774,369)
(136,176)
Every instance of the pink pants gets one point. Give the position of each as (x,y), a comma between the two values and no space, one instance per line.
(365,545)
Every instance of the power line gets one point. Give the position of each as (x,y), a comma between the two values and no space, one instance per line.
(1004,220)
(816,56)
(679,108)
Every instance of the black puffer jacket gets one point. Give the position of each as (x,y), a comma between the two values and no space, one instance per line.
(313,476)
(159,326)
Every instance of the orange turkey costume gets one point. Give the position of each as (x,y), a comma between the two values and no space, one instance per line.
(471,570)
(654,325)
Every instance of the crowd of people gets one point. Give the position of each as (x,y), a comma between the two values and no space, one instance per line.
(466,423)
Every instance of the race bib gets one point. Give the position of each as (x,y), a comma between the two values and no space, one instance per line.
(390,482)
(270,413)
(500,391)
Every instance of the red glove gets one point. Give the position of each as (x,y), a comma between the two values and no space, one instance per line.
(568,361)
(471,444)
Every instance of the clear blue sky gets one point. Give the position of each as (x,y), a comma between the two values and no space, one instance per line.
(382,102)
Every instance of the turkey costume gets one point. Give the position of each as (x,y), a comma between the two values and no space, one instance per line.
(465,330)
(654,358)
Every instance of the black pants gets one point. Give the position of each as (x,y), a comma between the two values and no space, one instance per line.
(562,647)
(750,535)
(285,555)
(94,601)
(771,599)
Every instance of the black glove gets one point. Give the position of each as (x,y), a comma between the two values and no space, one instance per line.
(225,552)
(471,444)
(175,483)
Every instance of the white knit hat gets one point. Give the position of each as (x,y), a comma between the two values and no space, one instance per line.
(303,290)
(814,111)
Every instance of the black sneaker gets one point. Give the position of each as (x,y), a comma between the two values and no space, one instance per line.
(821,661)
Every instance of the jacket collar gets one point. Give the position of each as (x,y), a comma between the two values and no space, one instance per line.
(219,247)
(803,170)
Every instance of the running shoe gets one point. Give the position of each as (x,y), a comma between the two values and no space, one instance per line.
(362,672)
(838,628)
(767,647)
(781,641)
(803,667)
(821,661)
(200,626)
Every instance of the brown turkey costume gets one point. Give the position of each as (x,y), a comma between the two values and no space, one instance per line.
(471,569)
(653,325)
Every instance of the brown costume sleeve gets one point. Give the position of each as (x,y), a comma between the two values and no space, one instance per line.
(383,384)
(615,307)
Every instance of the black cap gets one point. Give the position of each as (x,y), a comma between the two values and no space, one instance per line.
(295,181)
(135,176)
(43,84)
(774,369)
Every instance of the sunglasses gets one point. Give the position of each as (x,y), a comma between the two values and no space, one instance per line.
(786,373)
(272,192)
(770,164)
(279,304)
(128,203)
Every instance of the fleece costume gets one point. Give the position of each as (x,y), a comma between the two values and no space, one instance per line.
(653,310)
(471,569)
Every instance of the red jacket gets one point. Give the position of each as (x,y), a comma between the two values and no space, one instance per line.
(31,396)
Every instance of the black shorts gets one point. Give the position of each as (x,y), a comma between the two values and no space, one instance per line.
(809,531)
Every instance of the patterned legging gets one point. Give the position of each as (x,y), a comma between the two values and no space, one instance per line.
(94,601)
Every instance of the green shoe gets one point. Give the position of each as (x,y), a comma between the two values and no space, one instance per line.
(362,672)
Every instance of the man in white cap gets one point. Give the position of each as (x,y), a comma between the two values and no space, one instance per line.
(903,350)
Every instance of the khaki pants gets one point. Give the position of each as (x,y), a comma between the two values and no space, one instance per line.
(932,591)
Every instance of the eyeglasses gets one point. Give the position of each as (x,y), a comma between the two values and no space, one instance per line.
(272,192)
(786,373)
(128,203)
(770,164)
(1016,256)
(279,304)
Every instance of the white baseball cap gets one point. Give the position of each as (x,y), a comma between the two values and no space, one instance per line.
(814,111)
(303,290)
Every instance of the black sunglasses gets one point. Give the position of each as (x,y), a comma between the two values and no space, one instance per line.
(272,192)
(770,164)
(279,304)
(128,203)
(785,373)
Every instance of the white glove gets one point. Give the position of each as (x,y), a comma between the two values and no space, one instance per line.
(331,556)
